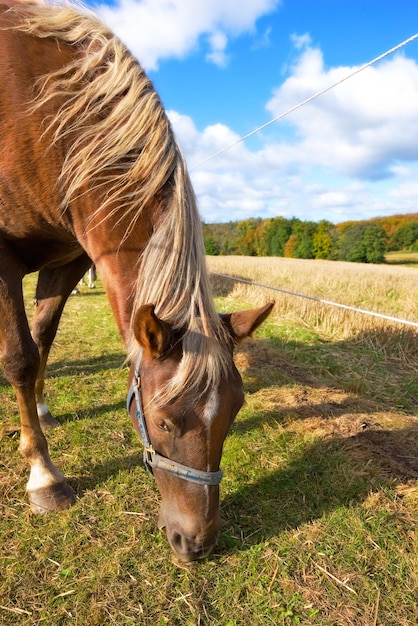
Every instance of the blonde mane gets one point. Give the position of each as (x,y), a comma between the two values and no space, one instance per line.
(122,144)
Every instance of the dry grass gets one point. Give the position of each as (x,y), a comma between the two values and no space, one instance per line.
(386,289)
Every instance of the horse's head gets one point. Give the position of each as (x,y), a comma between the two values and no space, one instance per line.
(185,437)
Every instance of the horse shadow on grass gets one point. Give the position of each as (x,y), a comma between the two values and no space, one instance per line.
(352,454)
(363,371)
(82,367)
(87,368)
(326,475)
(95,474)
(303,490)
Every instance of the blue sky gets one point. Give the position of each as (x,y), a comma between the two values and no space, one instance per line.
(225,67)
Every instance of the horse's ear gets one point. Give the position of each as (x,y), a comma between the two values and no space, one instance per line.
(243,323)
(152,334)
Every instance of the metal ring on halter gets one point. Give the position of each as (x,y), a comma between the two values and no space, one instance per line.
(155,459)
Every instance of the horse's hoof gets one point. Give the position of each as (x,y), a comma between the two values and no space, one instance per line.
(57,497)
(47,421)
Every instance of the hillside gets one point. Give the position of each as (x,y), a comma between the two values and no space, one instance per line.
(365,241)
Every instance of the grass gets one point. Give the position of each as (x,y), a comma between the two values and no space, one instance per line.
(319,498)
(386,289)
(403,258)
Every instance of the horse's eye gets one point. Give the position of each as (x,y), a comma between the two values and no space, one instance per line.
(162,425)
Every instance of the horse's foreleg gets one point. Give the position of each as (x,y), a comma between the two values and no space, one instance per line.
(52,291)
(92,276)
(45,418)
(44,327)
(47,489)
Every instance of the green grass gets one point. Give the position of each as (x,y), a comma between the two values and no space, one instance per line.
(319,498)
(403,257)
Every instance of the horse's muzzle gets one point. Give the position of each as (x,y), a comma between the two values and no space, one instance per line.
(188,547)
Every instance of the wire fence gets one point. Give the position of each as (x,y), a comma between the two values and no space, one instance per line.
(321,300)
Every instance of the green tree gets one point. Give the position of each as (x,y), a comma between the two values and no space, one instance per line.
(405,237)
(363,243)
(323,240)
(261,242)
(351,246)
(304,233)
(375,240)
(212,247)
(277,235)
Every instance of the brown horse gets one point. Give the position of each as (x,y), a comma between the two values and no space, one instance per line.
(90,171)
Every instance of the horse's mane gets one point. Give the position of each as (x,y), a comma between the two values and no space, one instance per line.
(122,144)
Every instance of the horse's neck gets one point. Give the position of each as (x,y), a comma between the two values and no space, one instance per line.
(115,252)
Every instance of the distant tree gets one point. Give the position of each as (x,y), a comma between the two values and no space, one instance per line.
(212,247)
(248,245)
(351,245)
(290,246)
(323,240)
(363,243)
(375,240)
(231,240)
(261,239)
(304,233)
(225,235)
(246,231)
(405,237)
(277,235)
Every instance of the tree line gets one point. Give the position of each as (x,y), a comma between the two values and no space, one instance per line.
(363,241)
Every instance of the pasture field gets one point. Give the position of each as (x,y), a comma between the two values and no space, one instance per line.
(319,498)
(402,258)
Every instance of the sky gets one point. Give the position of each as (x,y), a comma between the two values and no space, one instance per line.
(225,67)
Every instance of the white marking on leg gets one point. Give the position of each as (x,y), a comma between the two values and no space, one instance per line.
(43,474)
(42,409)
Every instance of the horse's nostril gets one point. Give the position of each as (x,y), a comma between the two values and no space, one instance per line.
(177,542)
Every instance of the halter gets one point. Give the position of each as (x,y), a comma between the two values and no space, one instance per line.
(155,459)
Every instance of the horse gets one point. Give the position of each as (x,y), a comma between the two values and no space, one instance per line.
(91,172)
(90,277)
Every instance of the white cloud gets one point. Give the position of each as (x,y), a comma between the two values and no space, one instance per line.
(353,153)
(158,29)
(301,41)
(218,44)
(362,127)
(350,154)
(406,192)
(279,179)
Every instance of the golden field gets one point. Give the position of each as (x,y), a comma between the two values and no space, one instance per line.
(386,289)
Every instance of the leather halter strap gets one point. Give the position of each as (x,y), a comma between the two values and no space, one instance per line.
(155,459)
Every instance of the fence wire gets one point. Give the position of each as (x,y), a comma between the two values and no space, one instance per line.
(321,300)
